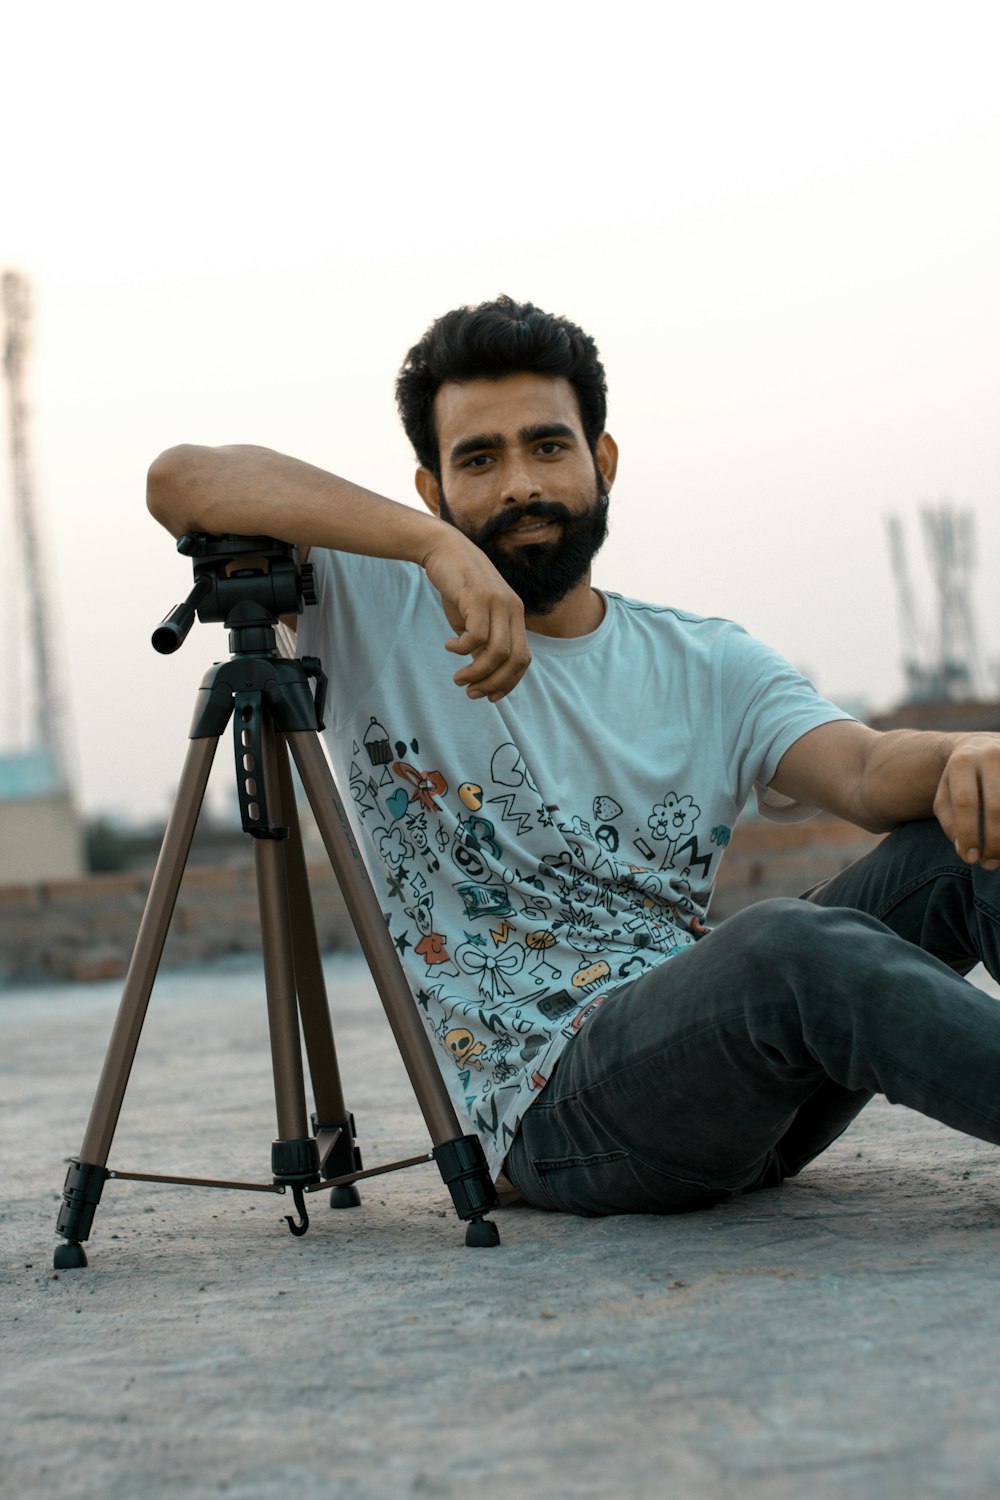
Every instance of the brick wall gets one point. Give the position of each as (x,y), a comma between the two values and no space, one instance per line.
(85,928)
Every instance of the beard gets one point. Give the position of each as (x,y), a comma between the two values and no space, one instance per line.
(542,573)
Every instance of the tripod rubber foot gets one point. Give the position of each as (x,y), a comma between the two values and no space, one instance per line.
(345,1196)
(69,1257)
(482,1232)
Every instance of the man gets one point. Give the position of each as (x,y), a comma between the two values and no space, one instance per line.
(544,824)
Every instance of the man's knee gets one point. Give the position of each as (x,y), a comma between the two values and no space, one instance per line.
(786,935)
(923,843)
(769,926)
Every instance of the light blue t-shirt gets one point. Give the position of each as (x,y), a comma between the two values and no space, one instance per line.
(534,854)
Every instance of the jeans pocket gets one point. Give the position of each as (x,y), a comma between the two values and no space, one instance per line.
(615,1182)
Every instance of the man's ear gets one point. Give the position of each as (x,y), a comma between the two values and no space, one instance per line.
(606,458)
(428,489)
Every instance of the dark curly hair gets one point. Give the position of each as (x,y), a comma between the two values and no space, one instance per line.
(492,340)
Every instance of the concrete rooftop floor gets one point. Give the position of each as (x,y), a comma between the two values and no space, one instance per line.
(838,1336)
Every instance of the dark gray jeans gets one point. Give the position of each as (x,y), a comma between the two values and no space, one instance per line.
(732,1065)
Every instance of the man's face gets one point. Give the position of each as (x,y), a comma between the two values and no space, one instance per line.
(518,478)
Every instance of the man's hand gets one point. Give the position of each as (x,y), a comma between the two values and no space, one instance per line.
(879,780)
(967,801)
(486,613)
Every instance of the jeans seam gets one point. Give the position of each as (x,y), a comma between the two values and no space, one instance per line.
(926,877)
(558,1163)
(988,910)
(548,1168)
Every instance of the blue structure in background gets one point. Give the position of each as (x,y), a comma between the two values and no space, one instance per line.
(28,774)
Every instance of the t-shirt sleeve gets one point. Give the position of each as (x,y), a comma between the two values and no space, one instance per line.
(361,607)
(766,706)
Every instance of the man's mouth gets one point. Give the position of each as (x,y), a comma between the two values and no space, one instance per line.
(530,524)
(527,526)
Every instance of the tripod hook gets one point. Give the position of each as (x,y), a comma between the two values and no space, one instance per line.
(298,1228)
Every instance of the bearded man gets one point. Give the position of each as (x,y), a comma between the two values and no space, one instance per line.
(544,825)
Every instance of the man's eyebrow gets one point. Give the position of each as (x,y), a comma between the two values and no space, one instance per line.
(477,444)
(537,433)
(542,430)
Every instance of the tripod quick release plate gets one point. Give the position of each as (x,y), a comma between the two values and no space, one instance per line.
(232,570)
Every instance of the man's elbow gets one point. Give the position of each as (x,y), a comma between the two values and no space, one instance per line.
(168,487)
(875,822)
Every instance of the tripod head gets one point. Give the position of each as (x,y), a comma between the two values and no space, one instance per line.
(244,581)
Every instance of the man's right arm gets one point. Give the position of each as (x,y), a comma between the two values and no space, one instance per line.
(257,492)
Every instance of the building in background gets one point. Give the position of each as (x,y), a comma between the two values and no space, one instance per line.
(40,834)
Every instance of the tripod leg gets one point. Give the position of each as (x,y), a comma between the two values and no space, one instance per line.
(333,1125)
(88,1173)
(294,1154)
(460,1158)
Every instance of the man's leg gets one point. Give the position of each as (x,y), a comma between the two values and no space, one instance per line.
(690,1084)
(916,884)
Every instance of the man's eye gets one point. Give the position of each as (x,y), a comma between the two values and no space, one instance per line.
(477,461)
(549,449)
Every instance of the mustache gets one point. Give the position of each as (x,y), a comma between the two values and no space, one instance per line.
(507,520)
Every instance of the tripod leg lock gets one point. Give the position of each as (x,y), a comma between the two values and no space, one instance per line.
(295,1162)
(463,1168)
(81,1195)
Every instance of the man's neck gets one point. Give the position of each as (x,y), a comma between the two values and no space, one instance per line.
(579,613)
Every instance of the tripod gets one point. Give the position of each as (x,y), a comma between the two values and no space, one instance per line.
(249,582)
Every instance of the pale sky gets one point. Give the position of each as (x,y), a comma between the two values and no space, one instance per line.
(781,222)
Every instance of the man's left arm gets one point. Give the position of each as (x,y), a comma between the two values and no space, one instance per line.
(879,780)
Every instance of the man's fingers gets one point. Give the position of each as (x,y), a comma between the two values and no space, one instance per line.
(958,807)
(486,640)
(499,660)
(485,614)
(493,673)
(968,807)
(990,794)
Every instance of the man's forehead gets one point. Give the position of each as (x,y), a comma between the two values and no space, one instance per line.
(504,405)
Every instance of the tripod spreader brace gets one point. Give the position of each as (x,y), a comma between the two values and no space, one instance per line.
(297,1167)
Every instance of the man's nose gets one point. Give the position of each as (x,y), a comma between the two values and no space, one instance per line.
(520,484)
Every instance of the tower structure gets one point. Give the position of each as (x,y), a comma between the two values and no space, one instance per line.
(43,727)
(941,660)
(39,829)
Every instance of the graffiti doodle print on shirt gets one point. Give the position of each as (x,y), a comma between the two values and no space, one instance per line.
(492,971)
(508,769)
(541,911)
(673,819)
(426,785)
(431,946)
